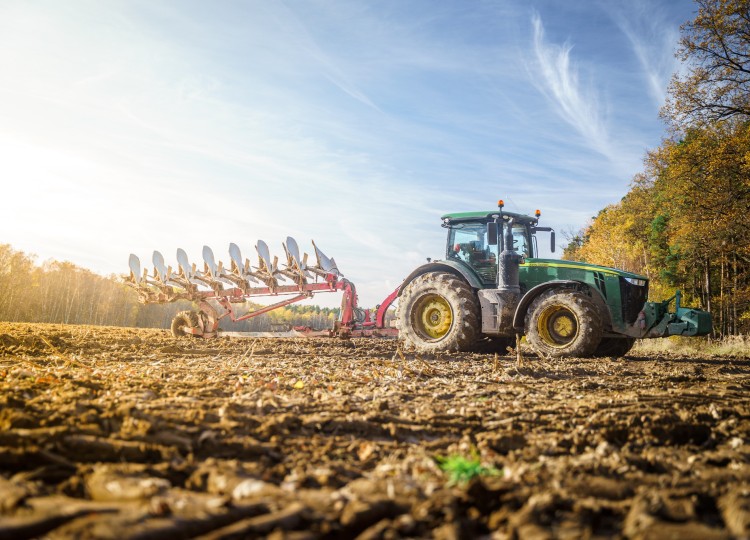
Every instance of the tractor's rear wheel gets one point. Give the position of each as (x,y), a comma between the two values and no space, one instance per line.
(563,323)
(614,346)
(182,320)
(438,312)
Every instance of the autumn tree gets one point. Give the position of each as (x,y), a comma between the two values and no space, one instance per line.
(715,48)
(575,240)
(609,241)
(618,235)
(700,238)
(16,283)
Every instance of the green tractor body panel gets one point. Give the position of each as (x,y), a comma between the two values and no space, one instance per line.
(623,293)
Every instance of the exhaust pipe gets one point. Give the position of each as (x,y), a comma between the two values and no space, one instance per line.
(508,261)
(499,305)
(508,287)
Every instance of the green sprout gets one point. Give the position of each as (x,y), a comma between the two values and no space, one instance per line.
(461,470)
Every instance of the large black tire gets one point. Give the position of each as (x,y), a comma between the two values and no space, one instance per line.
(614,347)
(182,319)
(438,312)
(563,323)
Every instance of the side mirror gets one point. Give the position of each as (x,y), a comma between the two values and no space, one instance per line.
(552,241)
(492,233)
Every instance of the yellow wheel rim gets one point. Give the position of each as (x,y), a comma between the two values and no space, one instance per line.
(433,316)
(558,326)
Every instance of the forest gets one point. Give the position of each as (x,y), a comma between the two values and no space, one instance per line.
(682,223)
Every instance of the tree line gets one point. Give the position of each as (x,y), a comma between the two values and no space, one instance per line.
(684,221)
(61,292)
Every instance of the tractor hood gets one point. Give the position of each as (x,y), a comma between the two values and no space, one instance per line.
(575,265)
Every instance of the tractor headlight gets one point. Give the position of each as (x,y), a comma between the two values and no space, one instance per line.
(637,282)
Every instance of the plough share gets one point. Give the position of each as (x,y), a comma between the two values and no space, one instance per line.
(294,279)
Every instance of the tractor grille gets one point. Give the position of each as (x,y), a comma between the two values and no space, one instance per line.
(633,298)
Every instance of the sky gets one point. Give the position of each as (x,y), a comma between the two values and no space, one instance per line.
(130,126)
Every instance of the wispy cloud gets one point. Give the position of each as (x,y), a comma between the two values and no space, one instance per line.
(299,36)
(653,40)
(576,104)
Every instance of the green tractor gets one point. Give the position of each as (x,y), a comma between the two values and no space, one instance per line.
(492,287)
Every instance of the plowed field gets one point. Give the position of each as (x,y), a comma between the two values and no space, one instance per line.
(124,433)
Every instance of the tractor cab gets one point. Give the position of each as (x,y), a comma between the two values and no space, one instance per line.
(472,243)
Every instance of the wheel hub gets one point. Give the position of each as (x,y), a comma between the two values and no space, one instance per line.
(434,316)
(558,326)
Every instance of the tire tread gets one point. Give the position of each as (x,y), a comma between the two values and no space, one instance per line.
(465,305)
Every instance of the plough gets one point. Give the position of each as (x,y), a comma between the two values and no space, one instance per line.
(227,286)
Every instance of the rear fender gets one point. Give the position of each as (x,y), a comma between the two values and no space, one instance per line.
(449,267)
(531,295)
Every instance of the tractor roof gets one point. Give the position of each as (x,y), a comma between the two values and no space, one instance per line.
(485,217)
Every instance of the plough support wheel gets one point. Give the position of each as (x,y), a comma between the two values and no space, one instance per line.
(186,323)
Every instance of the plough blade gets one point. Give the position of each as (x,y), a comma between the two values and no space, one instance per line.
(293,261)
(324,263)
(236,256)
(239,269)
(265,258)
(160,267)
(212,270)
(135,268)
(292,252)
(185,269)
(213,274)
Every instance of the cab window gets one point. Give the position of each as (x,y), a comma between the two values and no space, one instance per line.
(521,240)
(468,243)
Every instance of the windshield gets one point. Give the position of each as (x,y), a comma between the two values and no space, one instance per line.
(467,242)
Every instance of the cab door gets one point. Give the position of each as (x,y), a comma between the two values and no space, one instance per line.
(467,243)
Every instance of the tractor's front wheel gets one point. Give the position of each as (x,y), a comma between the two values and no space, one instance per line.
(563,323)
(183,320)
(438,312)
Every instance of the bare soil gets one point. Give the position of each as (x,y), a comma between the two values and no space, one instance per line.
(125,433)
